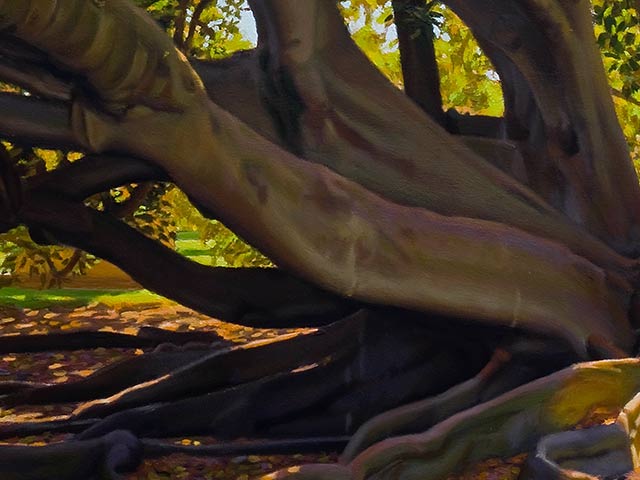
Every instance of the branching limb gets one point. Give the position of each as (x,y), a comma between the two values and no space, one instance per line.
(377,250)
(236,84)
(94,174)
(238,365)
(109,380)
(548,49)
(38,122)
(261,297)
(35,81)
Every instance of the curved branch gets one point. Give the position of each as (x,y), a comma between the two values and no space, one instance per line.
(94,174)
(32,121)
(251,296)
(36,81)
(548,49)
(340,235)
(235,83)
(382,144)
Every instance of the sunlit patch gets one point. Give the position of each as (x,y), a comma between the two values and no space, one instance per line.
(304,368)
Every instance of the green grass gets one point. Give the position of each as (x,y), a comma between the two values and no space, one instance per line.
(188,243)
(71,297)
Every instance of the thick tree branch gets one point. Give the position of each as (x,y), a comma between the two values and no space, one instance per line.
(234,83)
(388,155)
(549,47)
(38,122)
(350,240)
(94,174)
(263,297)
(417,53)
(36,81)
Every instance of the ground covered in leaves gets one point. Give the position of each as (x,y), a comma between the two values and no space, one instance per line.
(64,366)
(126,314)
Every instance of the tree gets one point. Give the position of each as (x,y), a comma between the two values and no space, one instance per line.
(390,220)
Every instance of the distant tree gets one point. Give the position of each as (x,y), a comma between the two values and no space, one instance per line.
(429,246)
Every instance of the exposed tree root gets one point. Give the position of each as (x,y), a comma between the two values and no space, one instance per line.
(12,430)
(378,203)
(102,458)
(534,414)
(106,381)
(147,337)
(326,382)
(509,424)
(237,365)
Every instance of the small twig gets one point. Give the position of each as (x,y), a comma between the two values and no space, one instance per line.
(195,21)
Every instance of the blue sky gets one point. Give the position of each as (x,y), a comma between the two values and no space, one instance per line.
(247,26)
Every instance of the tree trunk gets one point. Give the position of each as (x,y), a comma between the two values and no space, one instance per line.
(363,199)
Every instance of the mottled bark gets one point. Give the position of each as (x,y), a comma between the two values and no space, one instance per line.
(351,188)
(545,53)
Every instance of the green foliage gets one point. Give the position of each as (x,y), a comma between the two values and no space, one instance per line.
(156,217)
(370,22)
(618,33)
(468,80)
(203,29)
(22,258)
(213,243)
